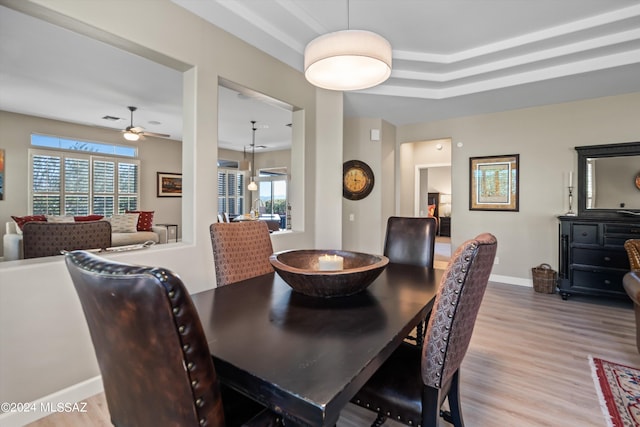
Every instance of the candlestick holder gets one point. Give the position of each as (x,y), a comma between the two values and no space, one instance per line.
(570,212)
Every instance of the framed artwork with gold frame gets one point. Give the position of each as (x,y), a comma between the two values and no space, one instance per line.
(494,183)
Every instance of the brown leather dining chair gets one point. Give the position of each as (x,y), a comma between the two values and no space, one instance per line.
(411,240)
(153,356)
(241,250)
(413,383)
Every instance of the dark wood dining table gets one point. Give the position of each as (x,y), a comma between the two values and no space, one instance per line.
(306,357)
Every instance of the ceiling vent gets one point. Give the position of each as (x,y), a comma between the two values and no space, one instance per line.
(112,119)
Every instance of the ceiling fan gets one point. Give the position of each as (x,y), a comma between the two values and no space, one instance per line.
(133,133)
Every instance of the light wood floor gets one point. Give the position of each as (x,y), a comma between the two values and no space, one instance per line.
(526,366)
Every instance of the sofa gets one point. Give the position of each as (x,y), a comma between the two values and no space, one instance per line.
(38,239)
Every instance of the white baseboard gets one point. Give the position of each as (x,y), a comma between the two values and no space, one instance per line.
(511,280)
(38,408)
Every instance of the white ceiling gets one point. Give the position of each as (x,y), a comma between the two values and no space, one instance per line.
(451,58)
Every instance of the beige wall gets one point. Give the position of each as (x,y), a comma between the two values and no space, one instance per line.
(155,155)
(545,138)
(44,343)
(366,232)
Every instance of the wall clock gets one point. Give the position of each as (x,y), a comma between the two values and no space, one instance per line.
(357,180)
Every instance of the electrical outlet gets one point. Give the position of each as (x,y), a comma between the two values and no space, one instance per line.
(496,260)
(352,217)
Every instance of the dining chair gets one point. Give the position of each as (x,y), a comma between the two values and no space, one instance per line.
(411,240)
(221,218)
(412,384)
(151,349)
(241,250)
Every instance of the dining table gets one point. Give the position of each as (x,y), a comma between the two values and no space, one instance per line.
(305,357)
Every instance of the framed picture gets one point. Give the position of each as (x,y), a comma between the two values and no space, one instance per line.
(169,184)
(494,182)
(1,174)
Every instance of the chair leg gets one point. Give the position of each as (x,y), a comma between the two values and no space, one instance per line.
(430,407)
(454,401)
(420,334)
(380,419)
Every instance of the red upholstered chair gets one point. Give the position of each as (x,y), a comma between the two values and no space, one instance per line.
(413,383)
(411,241)
(241,250)
(151,349)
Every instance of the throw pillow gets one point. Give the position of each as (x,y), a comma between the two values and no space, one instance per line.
(145,220)
(432,210)
(59,218)
(92,217)
(126,223)
(22,220)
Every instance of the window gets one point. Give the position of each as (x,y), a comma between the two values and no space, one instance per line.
(79,183)
(231,191)
(272,186)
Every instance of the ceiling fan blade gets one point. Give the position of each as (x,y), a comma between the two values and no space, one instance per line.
(161,135)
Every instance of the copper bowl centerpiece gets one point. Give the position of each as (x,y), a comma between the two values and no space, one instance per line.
(318,273)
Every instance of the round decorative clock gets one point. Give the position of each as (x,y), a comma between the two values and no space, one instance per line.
(357,180)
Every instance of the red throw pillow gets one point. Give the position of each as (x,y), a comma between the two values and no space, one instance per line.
(145,220)
(22,220)
(432,210)
(84,218)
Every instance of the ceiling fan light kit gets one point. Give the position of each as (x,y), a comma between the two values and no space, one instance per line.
(133,133)
(348,60)
(131,136)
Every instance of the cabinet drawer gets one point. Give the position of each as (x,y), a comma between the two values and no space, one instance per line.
(585,233)
(609,281)
(601,258)
(630,230)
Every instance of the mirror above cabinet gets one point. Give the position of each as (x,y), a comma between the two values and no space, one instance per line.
(609,179)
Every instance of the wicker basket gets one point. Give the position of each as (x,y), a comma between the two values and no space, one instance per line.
(544,279)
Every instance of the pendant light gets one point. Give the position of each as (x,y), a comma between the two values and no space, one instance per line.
(347,60)
(252,185)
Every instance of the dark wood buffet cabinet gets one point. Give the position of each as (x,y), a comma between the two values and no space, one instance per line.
(592,256)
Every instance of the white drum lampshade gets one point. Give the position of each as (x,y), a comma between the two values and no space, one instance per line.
(347,60)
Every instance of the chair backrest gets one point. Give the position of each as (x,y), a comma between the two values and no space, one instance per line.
(149,342)
(221,218)
(41,239)
(241,250)
(410,240)
(633,251)
(455,309)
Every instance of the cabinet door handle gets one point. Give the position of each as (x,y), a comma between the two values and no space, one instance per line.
(585,234)
(607,258)
(607,282)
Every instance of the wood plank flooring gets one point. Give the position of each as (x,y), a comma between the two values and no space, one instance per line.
(526,366)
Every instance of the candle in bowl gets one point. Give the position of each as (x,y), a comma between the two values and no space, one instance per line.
(330,262)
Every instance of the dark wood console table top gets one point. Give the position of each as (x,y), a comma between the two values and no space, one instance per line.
(306,357)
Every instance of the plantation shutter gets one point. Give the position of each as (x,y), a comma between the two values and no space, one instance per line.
(46,185)
(103,187)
